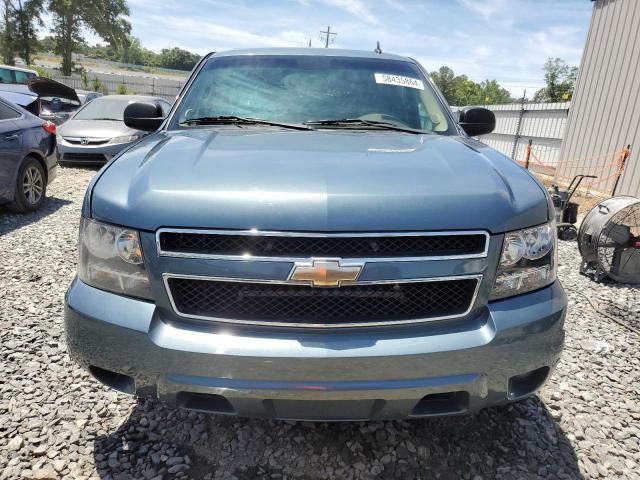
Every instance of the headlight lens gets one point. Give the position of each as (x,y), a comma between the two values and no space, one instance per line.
(125,139)
(111,259)
(527,262)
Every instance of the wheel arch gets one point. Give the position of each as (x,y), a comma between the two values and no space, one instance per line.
(38,156)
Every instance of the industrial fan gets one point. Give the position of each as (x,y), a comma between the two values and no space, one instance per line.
(609,240)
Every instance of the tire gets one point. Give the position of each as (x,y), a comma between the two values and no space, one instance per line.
(31,187)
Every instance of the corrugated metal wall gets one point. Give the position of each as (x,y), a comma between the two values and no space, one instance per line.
(604,114)
(543,123)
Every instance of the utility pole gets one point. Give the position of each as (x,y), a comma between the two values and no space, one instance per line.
(326,35)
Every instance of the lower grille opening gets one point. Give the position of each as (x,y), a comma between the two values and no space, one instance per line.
(84,157)
(117,381)
(527,383)
(303,305)
(447,403)
(204,402)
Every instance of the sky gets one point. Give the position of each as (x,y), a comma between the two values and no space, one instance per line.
(507,40)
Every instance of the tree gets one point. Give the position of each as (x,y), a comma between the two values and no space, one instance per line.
(8,34)
(560,81)
(47,44)
(445,80)
(106,18)
(177,58)
(460,90)
(135,54)
(493,93)
(27,20)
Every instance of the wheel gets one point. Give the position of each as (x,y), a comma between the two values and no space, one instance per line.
(31,187)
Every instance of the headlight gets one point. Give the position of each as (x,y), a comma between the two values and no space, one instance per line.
(527,262)
(111,259)
(125,139)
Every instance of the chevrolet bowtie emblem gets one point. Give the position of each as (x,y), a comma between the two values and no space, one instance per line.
(324,273)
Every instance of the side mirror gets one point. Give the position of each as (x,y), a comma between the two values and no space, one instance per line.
(477,121)
(143,116)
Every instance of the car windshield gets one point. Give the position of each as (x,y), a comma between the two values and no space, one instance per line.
(300,89)
(105,108)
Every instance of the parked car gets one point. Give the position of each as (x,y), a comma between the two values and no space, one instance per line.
(27,157)
(97,132)
(11,74)
(311,234)
(86,96)
(54,101)
(23,98)
(58,101)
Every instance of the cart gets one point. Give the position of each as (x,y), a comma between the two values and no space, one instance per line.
(567,211)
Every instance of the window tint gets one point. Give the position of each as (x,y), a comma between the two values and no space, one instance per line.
(6,75)
(300,88)
(22,77)
(7,113)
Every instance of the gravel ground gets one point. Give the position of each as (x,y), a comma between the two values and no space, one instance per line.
(57,422)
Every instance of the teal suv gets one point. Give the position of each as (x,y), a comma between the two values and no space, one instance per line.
(312,234)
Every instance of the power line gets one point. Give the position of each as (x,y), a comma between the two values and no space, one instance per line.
(325,36)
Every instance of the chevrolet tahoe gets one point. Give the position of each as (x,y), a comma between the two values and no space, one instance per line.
(312,234)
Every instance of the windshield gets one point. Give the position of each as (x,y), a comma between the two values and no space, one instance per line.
(300,88)
(104,108)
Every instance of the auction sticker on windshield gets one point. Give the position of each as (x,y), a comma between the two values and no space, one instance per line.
(399,80)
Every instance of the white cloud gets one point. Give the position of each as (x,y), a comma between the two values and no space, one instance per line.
(356,8)
(485,8)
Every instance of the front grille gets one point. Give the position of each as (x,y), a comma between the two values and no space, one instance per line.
(89,141)
(83,157)
(303,305)
(363,246)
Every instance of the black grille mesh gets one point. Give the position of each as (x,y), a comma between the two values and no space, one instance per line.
(299,304)
(84,157)
(303,247)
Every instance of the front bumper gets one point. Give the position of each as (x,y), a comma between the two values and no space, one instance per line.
(361,374)
(89,154)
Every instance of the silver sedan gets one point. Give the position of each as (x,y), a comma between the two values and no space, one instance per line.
(97,132)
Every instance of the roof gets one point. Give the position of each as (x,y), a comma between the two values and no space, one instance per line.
(324,52)
(17,88)
(22,99)
(18,69)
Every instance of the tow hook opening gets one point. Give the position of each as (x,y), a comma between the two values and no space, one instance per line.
(527,383)
(204,402)
(447,403)
(117,381)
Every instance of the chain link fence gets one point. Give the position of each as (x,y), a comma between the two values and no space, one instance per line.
(112,84)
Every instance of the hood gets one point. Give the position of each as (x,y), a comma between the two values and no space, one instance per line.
(322,180)
(95,129)
(45,87)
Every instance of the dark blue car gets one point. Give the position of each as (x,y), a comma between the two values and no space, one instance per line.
(27,156)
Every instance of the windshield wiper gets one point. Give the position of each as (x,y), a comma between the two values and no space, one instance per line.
(366,123)
(235,120)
